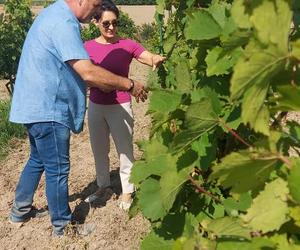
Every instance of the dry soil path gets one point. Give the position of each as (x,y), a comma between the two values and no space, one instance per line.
(114,230)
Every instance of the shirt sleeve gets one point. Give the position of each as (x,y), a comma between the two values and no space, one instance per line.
(136,49)
(67,41)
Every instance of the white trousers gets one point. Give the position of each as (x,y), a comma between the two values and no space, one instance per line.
(116,120)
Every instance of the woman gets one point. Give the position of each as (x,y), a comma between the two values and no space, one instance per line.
(111,113)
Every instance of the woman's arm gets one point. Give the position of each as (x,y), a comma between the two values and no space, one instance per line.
(150,59)
(96,76)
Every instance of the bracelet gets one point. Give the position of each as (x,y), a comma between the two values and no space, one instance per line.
(131,85)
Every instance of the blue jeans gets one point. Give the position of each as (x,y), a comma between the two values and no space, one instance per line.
(49,152)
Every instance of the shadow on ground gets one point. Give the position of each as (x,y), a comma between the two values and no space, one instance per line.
(82,210)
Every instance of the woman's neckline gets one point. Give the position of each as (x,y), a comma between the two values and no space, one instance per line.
(101,43)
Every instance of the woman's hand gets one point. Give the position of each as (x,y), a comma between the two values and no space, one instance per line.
(157,60)
(150,59)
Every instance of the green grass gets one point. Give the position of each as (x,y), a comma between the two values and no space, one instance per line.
(8,130)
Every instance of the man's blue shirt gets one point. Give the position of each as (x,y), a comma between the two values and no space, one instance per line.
(47,88)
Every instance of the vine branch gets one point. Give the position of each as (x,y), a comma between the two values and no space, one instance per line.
(279,118)
(235,134)
(286,161)
(204,191)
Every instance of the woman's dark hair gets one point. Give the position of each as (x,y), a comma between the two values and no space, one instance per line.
(107,5)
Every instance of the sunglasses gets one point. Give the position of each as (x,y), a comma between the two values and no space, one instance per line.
(106,24)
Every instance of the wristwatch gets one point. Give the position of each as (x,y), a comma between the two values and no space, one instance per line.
(131,85)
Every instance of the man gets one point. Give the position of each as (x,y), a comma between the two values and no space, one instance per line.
(49,98)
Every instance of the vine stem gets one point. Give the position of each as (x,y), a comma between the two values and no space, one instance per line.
(297,151)
(202,190)
(235,134)
(286,161)
(280,117)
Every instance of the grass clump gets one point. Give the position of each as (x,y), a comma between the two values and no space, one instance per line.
(8,130)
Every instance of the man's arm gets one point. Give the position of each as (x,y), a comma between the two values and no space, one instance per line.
(99,77)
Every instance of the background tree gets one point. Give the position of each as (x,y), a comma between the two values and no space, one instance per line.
(14,25)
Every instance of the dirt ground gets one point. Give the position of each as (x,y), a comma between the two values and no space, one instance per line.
(114,229)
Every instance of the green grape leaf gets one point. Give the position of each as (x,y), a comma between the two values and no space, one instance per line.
(172,225)
(186,243)
(242,204)
(287,98)
(219,62)
(229,227)
(201,144)
(202,26)
(255,244)
(197,123)
(170,183)
(260,217)
(270,14)
(187,160)
(257,67)
(296,49)
(134,208)
(294,180)
(142,170)
(244,171)
(233,118)
(209,93)
(295,214)
(153,241)
(156,162)
(254,110)
(238,12)
(206,148)
(158,119)
(282,242)
(183,76)
(150,200)
(191,223)
(194,60)
(164,101)
(218,12)
(190,3)
(160,6)
(169,43)
(294,129)
(236,40)
(218,211)
(229,29)
(152,148)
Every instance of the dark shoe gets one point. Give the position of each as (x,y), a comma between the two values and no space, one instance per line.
(38,213)
(104,193)
(34,213)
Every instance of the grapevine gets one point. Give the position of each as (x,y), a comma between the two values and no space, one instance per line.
(221,168)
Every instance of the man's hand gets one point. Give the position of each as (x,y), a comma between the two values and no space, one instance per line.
(139,91)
